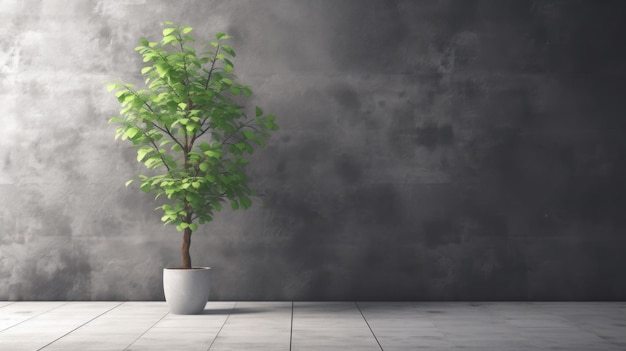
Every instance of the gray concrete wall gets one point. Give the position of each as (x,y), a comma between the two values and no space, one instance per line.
(432,149)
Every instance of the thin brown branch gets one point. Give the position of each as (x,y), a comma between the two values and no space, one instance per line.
(217,50)
(156,147)
(247,124)
(149,109)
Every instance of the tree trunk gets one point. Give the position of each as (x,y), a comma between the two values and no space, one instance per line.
(185,248)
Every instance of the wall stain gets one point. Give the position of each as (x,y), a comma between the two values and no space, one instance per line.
(348,169)
(439,231)
(431,135)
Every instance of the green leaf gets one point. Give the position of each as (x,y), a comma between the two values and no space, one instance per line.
(248,148)
(187,30)
(234,205)
(168,39)
(146,69)
(112,87)
(162,70)
(229,50)
(204,146)
(220,35)
(204,167)
(119,132)
(131,132)
(145,187)
(168,31)
(128,182)
(129,98)
(245,201)
(241,161)
(217,205)
(193,227)
(141,153)
(247,91)
(259,112)
(212,153)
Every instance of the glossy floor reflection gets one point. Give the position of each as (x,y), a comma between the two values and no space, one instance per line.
(485,326)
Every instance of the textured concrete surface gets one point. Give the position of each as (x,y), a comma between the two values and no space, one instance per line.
(431,149)
(308,325)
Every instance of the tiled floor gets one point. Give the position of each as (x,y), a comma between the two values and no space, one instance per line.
(319,326)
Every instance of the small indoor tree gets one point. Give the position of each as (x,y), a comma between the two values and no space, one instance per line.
(190,129)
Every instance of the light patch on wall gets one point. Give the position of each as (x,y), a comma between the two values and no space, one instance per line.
(8,120)
(5,178)
(117,8)
(9,60)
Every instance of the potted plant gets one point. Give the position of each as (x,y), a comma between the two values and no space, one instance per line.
(195,139)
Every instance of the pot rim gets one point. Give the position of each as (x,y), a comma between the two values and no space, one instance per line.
(186,269)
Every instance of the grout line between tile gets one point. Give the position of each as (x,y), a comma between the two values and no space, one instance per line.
(80,326)
(147,330)
(291,328)
(222,327)
(368,325)
(576,323)
(9,304)
(38,314)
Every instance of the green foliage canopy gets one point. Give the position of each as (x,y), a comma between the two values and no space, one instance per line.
(188,127)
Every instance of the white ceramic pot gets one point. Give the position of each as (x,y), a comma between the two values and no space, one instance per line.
(186,290)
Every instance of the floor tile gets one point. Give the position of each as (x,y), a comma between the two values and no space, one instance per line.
(114,330)
(345,326)
(44,328)
(256,326)
(185,332)
(18,312)
(5,303)
(330,326)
